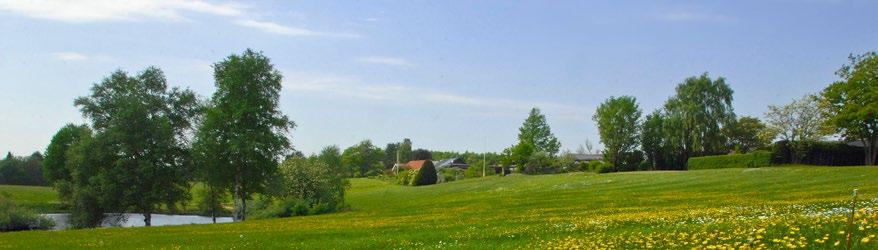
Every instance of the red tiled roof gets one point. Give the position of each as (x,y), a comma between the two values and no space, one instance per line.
(415,164)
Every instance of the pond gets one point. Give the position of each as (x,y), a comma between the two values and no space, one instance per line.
(136,220)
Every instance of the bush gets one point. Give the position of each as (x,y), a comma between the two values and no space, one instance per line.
(819,153)
(282,208)
(405,176)
(15,218)
(426,175)
(751,160)
(450,174)
(303,186)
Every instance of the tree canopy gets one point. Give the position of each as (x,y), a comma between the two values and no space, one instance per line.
(695,116)
(244,134)
(618,121)
(852,103)
(535,130)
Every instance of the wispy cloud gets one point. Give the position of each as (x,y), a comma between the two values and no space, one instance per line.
(348,87)
(393,61)
(114,10)
(70,56)
(276,28)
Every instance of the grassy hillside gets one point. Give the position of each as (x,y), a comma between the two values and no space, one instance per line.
(763,207)
(42,199)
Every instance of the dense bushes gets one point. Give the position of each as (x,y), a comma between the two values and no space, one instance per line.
(819,153)
(426,175)
(750,160)
(15,218)
(303,187)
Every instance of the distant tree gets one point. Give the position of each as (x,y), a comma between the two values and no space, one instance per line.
(331,156)
(244,133)
(535,130)
(55,169)
(427,175)
(588,145)
(799,123)
(618,120)
(652,139)
(312,182)
(143,127)
(422,154)
(695,116)
(852,103)
(405,151)
(745,134)
(361,159)
(391,153)
(581,150)
(518,155)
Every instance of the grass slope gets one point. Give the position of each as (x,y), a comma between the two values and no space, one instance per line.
(41,199)
(764,207)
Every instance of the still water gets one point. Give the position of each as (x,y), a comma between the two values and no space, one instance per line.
(136,220)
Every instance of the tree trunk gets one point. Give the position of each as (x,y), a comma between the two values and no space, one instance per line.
(147,219)
(238,197)
(243,205)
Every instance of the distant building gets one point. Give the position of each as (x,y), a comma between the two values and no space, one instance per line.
(578,158)
(451,163)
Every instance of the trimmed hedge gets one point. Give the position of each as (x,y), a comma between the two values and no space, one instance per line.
(820,154)
(751,160)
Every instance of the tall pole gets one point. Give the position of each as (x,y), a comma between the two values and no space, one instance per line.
(484,157)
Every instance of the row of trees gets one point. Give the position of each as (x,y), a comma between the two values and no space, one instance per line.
(16,170)
(700,120)
(146,143)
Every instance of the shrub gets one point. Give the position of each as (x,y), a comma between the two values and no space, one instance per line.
(15,218)
(450,174)
(819,153)
(426,175)
(405,176)
(283,208)
(303,185)
(751,160)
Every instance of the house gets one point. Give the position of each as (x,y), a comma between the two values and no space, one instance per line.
(579,158)
(451,163)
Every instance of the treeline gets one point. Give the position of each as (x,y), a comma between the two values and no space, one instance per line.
(146,144)
(699,120)
(17,170)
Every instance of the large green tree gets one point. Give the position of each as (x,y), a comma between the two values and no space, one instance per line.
(618,120)
(244,134)
(362,159)
(695,116)
(331,156)
(746,134)
(405,151)
(852,103)
(536,131)
(142,129)
(652,139)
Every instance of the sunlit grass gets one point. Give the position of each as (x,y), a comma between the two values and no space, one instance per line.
(779,207)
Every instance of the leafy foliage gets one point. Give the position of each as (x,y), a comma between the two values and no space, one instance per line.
(312,182)
(818,153)
(422,154)
(536,131)
(15,218)
(426,175)
(799,122)
(362,159)
(141,142)
(618,121)
(851,104)
(22,170)
(755,159)
(244,133)
(695,116)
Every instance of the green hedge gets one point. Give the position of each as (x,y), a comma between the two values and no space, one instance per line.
(750,160)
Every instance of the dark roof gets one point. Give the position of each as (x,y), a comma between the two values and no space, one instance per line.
(588,157)
(450,162)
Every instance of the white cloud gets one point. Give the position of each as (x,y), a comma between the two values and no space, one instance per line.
(275,28)
(69,56)
(393,61)
(114,10)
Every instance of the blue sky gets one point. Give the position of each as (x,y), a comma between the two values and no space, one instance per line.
(450,75)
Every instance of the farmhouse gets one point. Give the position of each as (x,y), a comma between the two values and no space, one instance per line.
(579,158)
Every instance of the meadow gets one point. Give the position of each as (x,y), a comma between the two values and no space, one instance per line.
(756,208)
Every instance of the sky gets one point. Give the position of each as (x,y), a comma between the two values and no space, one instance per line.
(449,75)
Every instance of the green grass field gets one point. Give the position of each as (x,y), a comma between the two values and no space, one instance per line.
(41,199)
(776,207)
